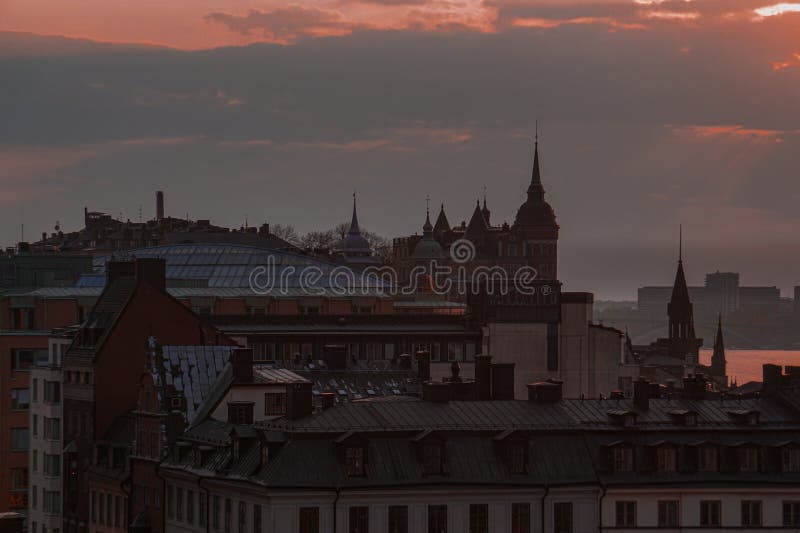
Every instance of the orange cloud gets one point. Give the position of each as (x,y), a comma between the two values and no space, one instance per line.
(733,131)
(672,15)
(794,61)
(546,23)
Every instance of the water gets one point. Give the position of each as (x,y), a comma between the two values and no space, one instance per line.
(745,365)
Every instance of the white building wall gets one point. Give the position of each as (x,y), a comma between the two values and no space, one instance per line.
(689,507)
(40,446)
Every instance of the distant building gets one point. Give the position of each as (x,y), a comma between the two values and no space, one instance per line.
(354,249)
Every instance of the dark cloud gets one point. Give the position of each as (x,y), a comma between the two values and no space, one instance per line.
(641,130)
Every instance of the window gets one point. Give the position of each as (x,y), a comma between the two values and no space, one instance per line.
(398,519)
(240,412)
(710,512)
(117,510)
(101,509)
(515,457)
(354,461)
(359,520)
(478,518)
(562,517)
(20,400)
(437,519)
(51,501)
(707,458)
(666,459)
(748,459)
(19,479)
(455,351)
(52,428)
(178,503)
(170,502)
(242,522)
(190,507)
(791,514)
(228,514)
(668,513)
(52,465)
(751,513)
(201,508)
(309,520)
(432,459)
(35,424)
(274,403)
(790,459)
(19,439)
(256,518)
(25,359)
(622,457)
(214,512)
(35,460)
(520,518)
(52,392)
(626,514)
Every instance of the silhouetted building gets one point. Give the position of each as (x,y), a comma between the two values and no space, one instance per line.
(718,363)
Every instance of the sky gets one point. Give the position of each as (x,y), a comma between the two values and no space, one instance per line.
(651,113)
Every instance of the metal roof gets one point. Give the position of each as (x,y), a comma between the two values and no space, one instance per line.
(231,266)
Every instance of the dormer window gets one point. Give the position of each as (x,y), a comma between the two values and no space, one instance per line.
(515,457)
(622,458)
(354,461)
(748,459)
(623,418)
(666,458)
(513,448)
(708,458)
(684,417)
(432,459)
(790,458)
(240,413)
(745,417)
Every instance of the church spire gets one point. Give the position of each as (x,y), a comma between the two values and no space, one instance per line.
(427,228)
(718,362)
(536,189)
(442,224)
(354,229)
(486,213)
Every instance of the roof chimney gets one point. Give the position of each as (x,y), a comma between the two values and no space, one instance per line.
(327,400)
(483,377)
(436,391)
(771,379)
(424,365)
(242,363)
(335,356)
(152,270)
(545,391)
(119,269)
(300,400)
(641,393)
(502,381)
(159,205)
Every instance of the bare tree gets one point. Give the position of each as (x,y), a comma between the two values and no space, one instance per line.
(286,232)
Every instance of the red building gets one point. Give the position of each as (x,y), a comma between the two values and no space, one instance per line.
(101,365)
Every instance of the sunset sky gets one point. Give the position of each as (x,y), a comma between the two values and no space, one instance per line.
(652,113)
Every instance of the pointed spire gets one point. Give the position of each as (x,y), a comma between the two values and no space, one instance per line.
(477,223)
(486,213)
(427,228)
(718,362)
(354,229)
(535,189)
(442,224)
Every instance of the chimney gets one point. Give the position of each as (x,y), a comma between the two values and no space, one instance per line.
(242,363)
(300,400)
(335,356)
(264,229)
(545,391)
(327,400)
(502,381)
(159,205)
(617,394)
(424,365)
(119,269)
(153,271)
(771,379)
(694,387)
(483,377)
(404,361)
(436,391)
(641,393)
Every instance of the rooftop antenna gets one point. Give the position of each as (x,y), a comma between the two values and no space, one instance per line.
(140,212)
(428,204)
